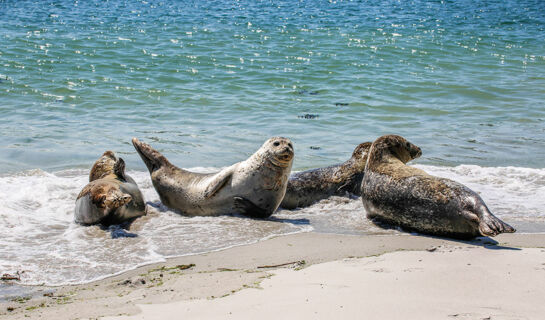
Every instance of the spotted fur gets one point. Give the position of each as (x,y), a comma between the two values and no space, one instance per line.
(308,187)
(253,187)
(401,195)
(111,196)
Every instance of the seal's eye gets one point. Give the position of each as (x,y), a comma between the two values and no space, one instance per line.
(276,143)
(408,145)
(289,144)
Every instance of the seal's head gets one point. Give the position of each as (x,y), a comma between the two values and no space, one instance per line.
(279,151)
(103,166)
(393,145)
(361,150)
(359,156)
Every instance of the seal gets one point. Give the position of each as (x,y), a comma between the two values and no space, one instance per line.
(401,195)
(111,196)
(253,187)
(308,187)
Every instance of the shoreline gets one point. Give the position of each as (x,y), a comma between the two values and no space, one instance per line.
(225,272)
(47,203)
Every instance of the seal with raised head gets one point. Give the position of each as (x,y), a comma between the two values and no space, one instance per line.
(253,187)
(401,195)
(111,196)
(310,186)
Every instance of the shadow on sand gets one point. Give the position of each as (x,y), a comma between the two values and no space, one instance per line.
(485,242)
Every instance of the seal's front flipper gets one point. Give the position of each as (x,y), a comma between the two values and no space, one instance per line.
(218,181)
(248,208)
(346,186)
(151,157)
(119,169)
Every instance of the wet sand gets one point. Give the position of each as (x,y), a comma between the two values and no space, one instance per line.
(315,275)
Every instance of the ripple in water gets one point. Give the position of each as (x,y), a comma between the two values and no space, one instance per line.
(463,80)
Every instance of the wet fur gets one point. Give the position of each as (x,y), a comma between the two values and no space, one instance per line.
(103,166)
(111,196)
(308,187)
(401,195)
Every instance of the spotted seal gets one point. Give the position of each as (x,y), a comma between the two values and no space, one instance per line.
(111,196)
(307,187)
(401,195)
(253,187)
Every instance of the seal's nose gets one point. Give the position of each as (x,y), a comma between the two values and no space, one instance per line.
(287,152)
(416,152)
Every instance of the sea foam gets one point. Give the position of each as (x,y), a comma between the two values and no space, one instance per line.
(41,241)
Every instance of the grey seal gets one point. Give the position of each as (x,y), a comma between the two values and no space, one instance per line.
(253,187)
(401,195)
(310,186)
(111,196)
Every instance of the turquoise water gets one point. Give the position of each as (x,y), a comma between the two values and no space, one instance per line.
(207,82)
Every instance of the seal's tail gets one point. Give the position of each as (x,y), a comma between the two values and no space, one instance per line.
(490,225)
(152,158)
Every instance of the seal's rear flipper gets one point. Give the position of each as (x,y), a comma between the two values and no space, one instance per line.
(490,225)
(152,158)
(249,209)
(494,226)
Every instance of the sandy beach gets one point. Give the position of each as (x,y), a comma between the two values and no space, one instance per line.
(317,276)
(206,84)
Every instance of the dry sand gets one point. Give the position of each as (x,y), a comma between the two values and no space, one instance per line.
(352,277)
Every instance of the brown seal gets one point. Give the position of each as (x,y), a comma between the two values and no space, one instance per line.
(401,195)
(310,186)
(111,196)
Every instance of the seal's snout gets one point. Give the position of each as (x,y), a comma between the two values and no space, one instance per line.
(288,150)
(416,152)
(110,154)
(286,154)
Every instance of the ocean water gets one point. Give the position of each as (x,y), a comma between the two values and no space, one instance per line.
(207,82)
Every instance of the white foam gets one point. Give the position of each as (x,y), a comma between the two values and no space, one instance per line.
(509,192)
(40,238)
